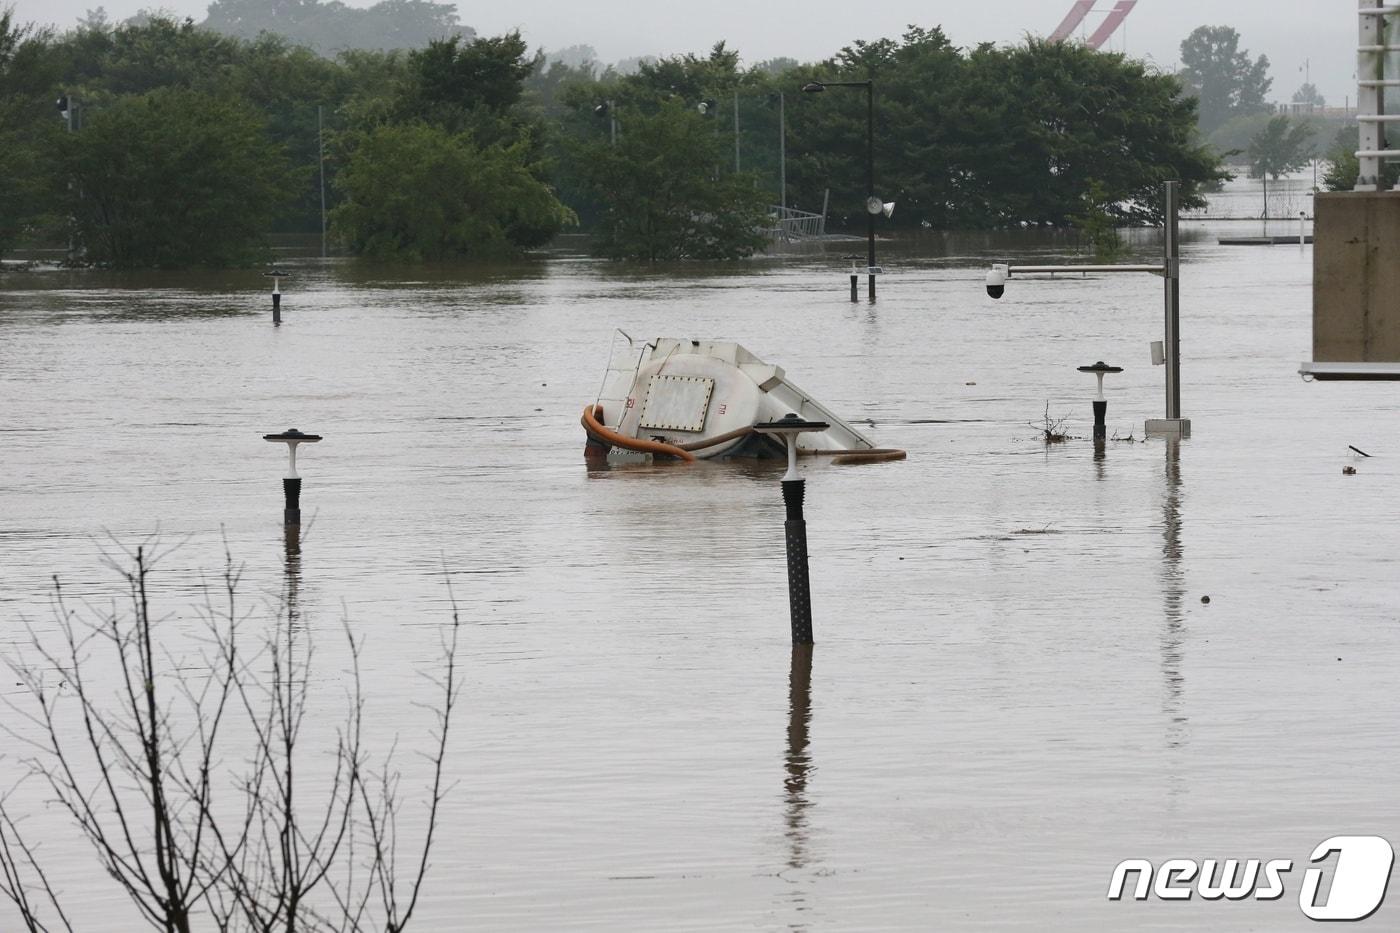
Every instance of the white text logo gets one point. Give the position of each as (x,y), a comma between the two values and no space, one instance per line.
(1356,888)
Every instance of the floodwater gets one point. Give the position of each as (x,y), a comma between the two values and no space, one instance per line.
(1016,682)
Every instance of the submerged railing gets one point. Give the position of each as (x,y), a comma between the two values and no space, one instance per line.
(790,224)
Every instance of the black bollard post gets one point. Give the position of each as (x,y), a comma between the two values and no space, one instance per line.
(291,495)
(1100,424)
(291,483)
(855,287)
(794,489)
(276,275)
(1099,369)
(799,585)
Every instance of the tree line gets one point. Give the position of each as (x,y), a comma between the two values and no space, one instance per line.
(180,146)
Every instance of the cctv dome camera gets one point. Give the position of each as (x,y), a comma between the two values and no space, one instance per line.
(996,280)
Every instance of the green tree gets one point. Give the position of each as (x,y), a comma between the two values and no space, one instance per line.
(1097,222)
(1282,146)
(474,87)
(1224,78)
(995,135)
(1343,166)
(135,58)
(288,84)
(1308,94)
(415,192)
(660,194)
(174,178)
(28,127)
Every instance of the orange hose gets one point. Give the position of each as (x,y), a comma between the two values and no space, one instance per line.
(718,439)
(593,426)
(872,455)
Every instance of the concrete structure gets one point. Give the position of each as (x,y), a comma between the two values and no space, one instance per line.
(1356,277)
(1356,253)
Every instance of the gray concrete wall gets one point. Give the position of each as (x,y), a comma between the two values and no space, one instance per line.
(1356,277)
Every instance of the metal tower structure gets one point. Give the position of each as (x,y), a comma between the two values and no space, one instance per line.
(1379,21)
(1081,9)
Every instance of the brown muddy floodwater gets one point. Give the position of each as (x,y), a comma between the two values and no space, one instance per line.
(1015,685)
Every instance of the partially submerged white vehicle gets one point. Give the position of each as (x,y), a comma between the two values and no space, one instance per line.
(699,399)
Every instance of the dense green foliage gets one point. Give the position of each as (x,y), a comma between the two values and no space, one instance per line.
(28,127)
(1233,138)
(1222,76)
(492,150)
(417,192)
(189,146)
(443,164)
(173,178)
(1281,146)
(981,138)
(1344,167)
(662,198)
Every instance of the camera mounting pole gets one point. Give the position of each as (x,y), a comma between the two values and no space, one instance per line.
(1169,269)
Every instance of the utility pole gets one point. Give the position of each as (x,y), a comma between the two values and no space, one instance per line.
(67,108)
(321,159)
(736,130)
(782,152)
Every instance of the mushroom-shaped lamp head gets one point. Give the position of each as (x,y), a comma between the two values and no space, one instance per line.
(292,437)
(1100,369)
(787,428)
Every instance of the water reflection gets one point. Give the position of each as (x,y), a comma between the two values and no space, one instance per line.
(1174,611)
(291,564)
(798,763)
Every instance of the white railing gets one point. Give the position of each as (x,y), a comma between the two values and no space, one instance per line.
(789,224)
(1371,51)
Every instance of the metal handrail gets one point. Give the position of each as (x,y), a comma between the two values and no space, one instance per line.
(1055,270)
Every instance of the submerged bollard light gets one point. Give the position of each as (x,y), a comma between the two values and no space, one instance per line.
(1100,403)
(276,275)
(291,483)
(799,587)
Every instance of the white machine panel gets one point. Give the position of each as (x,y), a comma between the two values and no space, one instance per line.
(677,403)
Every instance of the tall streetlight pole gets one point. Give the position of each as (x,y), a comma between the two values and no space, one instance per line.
(872,203)
(782,152)
(321,161)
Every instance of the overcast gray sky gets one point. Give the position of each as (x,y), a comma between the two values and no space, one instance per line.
(1290,33)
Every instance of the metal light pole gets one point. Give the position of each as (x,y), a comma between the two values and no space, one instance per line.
(1170,271)
(782,152)
(872,203)
(1171,289)
(66,108)
(736,130)
(321,157)
(608,109)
